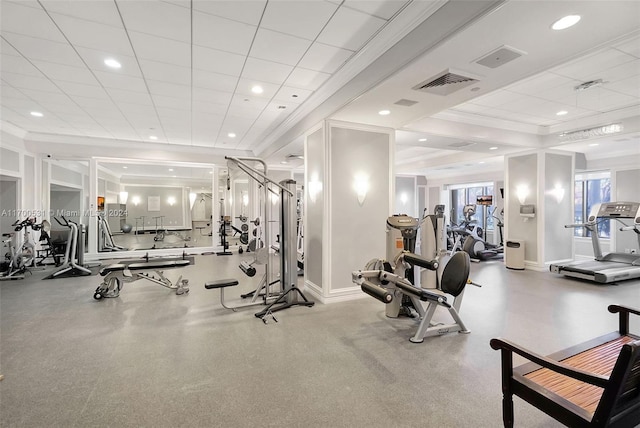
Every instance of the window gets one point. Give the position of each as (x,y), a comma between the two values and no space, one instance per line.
(591,189)
(466,195)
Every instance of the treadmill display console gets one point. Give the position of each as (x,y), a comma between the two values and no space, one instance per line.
(619,210)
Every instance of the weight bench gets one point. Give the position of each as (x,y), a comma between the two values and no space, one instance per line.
(594,384)
(117,274)
(222,284)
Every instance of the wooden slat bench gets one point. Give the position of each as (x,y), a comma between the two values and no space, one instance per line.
(594,384)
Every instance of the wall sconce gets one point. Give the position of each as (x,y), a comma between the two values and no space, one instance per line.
(315,187)
(245,199)
(192,199)
(404,198)
(274,198)
(522,191)
(171,200)
(135,200)
(557,192)
(361,186)
(123,197)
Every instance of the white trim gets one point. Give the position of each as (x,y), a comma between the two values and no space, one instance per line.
(335,296)
(326,225)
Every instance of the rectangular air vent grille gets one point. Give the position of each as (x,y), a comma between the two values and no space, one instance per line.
(446,83)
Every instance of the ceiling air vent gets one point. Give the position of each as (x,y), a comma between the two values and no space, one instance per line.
(500,56)
(446,83)
(461,144)
(405,103)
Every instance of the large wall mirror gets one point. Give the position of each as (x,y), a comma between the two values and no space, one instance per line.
(151,206)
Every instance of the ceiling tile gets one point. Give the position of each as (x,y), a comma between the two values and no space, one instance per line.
(219,33)
(11,92)
(45,50)
(170,102)
(89,102)
(248,11)
(289,49)
(161,50)
(622,72)
(286,93)
(19,19)
(92,91)
(542,82)
(218,82)
(209,108)
(94,36)
(629,86)
(95,61)
(125,96)
(6,49)
(249,102)
(632,47)
(591,67)
(29,82)
(65,73)
(382,8)
(307,79)
(211,96)
(350,29)
(602,99)
(217,61)
(17,64)
(303,19)
(163,19)
(104,12)
(266,71)
(165,72)
(169,89)
(321,57)
(119,81)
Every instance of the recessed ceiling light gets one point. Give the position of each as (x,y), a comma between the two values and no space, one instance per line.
(561,113)
(231,135)
(422,139)
(36,114)
(257,89)
(282,107)
(384,112)
(110,62)
(153,137)
(481,162)
(125,167)
(284,162)
(593,144)
(170,169)
(493,148)
(210,172)
(566,22)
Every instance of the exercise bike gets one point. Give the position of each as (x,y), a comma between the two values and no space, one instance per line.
(20,257)
(474,244)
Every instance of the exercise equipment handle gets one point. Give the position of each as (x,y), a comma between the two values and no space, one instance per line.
(65,224)
(575,225)
(632,227)
(416,260)
(377,292)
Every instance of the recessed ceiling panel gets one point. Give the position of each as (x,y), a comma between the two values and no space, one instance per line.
(301,19)
(217,61)
(278,47)
(161,50)
(306,79)
(219,33)
(247,11)
(164,19)
(350,29)
(266,71)
(325,58)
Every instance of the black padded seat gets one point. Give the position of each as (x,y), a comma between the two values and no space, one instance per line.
(112,268)
(221,283)
(455,274)
(159,265)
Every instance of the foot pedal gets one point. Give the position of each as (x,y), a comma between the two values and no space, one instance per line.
(183,287)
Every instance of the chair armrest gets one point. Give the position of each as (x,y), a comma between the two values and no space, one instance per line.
(620,308)
(624,316)
(581,375)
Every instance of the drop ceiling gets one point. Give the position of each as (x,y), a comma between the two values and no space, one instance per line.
(188,69)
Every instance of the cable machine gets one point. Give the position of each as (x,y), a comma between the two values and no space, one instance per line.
(290,295)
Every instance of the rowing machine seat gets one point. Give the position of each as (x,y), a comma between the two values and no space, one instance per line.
(221,283)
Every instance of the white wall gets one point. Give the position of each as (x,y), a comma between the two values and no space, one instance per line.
(314,203)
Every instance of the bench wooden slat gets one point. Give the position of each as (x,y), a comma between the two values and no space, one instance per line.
(599,360)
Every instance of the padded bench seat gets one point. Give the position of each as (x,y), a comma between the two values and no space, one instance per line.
(221,283)
(142,266)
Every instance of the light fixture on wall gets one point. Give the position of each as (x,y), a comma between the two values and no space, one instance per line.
(274,198)
(404,198)
(522,191)
(171,200)
(123,197)
(314,186)
(557,192)
(361,186)
(192,199)
(245,199)
(135,200)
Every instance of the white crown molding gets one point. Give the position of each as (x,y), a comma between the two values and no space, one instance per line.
(12,129)
(490,122)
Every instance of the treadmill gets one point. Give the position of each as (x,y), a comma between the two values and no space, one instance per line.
(610,267)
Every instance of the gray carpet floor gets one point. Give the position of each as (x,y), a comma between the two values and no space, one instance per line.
(150,358)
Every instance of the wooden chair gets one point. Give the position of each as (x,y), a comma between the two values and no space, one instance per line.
(594,384)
